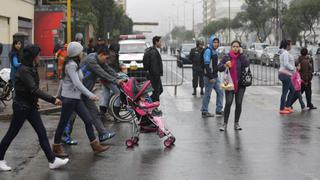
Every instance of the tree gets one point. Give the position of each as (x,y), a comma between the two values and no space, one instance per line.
(305,14)
(215,26)
(240,25)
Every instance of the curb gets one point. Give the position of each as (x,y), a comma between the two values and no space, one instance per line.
(7,117)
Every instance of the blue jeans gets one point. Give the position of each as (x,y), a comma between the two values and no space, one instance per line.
(287,86)
(207,94)
(105,94)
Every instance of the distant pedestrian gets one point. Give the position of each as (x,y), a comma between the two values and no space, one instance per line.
(296,81)
(286,70)
(25,107)
(306,73)
(71,90)
(197,70)
(15,59)
(211,79)
(91,48)
(237,62)
(318,58)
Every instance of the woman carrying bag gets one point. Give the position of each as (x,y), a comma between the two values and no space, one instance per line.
(234,65)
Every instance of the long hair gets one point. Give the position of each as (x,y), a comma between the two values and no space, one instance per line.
(15,51)
(66,61)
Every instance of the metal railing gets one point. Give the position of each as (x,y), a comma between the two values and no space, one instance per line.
(172,74)
(265,72)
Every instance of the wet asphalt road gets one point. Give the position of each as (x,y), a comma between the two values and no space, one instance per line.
(270,146)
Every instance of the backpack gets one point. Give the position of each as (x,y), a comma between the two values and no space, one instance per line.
(202,58)
(147,59)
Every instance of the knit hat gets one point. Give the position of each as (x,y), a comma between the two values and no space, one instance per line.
(74,49)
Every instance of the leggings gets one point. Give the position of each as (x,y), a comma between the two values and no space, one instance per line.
(229,100)
(68,107)
(20,114)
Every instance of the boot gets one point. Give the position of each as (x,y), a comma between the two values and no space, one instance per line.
(97,147)
(201,92)
(58,151)
(194,92)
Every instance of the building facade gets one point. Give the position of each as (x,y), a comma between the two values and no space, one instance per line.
(16,16)
(208,11)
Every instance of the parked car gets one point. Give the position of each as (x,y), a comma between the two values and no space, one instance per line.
(268,54)
(223,50)
(295,52)
(184,53)
(255,51)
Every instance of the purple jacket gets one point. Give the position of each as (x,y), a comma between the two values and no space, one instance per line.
(241,65)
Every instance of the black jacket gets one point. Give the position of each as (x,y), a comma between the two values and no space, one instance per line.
(195,58)
(156,67)
(27,87)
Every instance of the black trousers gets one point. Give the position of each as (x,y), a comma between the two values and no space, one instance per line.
(20,114)
(308,90)
(197,78)
(229,100)
(68,107)
(157,88)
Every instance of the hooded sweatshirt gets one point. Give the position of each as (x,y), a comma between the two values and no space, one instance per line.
(210,58)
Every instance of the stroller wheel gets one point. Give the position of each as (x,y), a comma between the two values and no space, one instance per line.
(129,143)
(173,139)
(161,134)
(135,140)
(167,143)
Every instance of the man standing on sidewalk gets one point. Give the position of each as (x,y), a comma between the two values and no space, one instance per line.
(197,71)
(211,80)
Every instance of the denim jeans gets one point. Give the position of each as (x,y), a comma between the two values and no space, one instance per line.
(287,86)
(20,115)
(68,107)
(105,94)
(297,95)
(207,94)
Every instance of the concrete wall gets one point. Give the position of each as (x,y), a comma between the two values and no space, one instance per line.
(10,11)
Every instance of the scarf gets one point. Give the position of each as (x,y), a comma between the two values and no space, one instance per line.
(233,70)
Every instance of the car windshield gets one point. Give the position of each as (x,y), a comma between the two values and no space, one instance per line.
(187,47)
(261,46)
(132,48)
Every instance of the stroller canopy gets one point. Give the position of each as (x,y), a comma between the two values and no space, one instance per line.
(134,90)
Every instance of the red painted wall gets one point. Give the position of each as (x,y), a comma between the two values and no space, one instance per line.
(44,23)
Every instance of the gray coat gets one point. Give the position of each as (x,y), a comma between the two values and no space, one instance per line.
(71,86)
(92,70)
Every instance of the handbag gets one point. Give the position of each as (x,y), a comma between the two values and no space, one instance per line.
(245,78)
(227,83)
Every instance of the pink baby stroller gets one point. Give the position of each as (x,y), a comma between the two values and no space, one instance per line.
(135,97)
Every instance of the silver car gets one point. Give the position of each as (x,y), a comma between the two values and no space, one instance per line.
(268,54)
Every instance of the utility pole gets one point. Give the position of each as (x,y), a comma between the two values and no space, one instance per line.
(229,38)
(68,21)
(277,22)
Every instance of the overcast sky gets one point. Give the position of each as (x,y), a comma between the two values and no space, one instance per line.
(164,12)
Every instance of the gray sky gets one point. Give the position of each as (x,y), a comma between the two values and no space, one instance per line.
(164,12)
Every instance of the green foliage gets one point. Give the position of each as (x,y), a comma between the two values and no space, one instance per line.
(105,16)
(215,26)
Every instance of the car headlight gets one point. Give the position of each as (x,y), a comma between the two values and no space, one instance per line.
(183,55)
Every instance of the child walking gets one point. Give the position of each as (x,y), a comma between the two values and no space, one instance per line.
(296,81)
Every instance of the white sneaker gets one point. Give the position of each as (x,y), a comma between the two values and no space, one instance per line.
(4,166)
(58,162)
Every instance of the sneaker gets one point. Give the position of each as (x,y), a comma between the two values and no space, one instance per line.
(106,136)
(284,112)
(223,127)
(69,141)
(304,109)
(219,114)
(289,109)
(207,115)
(4,166)
(58,162)
(237,127)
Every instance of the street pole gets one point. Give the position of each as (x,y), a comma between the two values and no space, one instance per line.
(68,21)
(229,23)
(184,15)
(193,17)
